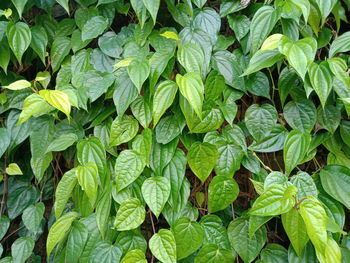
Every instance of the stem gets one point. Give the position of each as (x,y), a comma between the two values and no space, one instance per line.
(6,188)
(262,163)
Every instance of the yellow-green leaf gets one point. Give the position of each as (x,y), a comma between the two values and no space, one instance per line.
(18,85)
(57,99)
(13,169)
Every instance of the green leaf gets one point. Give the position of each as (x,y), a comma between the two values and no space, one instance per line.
(300,54)
(274,253)
(263,59)
(5,140)
(300,114)
(57,99)
(240,25)
(256,222)
(105,252)
(163,246)
(130,240)
(152,7)
(340,44)
(141,109)
(62,142)
(13,169)
(18,85)
(329,117)
(222,192)
(211,253)
(259,120)
(247,248)
(59,50)
(39,42)
(103,208)
(156,191)
(258,84)
(274,201)
(19,4)
(4,225)
(128,167)
(305,184)
(189,236)
(19,38)
(202,158)
(335,180)
(134,256)
(32,217)
(230,157)
(214,85)
(215,232)
(87,176)
(64,4)
(77,238)
(321,80)
(192,88)
(295,149)
(332,252)
(263,22)
(21,249)
(130,215)
(139,71)
(325,7)
(191,57)
(123,129)
(94,27)
(58,230)
(295,228)
(315,219)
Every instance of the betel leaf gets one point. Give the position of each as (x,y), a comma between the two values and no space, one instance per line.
(188,235)
(321,80)
(340,44)
(21,249)
(247,248)
(335,180)
(130,215)
(191,57)
(215,232)
(87,176)
(32,216)
(94,27)
(295,228)
(263,22)
(13,169)
(315,219)
(59,50)
(295,148)
(211,253)
(103,208)
(19,38)
(39,41)
(300,54)
(123,129)
(104,251)
(274,253)
(57,99)
(222,192)
(77,238)
(59,229)
(156,191)
(138,71)
(62,142)
(305,184)
(64,4)
(262,59)
(202,158)
(19,4)
(33,104)
(152,7)
(163,98)
(163,246)
(134,256)
(128,167)
(192,88)
(275,200)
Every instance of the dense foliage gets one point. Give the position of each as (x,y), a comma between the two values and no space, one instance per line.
(179,131)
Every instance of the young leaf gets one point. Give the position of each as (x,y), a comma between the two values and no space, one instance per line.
(191,57)
(163,246)
(13,169)
(134,256)
(202,158)
(123,129)
(156,191)
(130,215)
(87,176)
(18,85)
(321,80)
(57,99)
(340,44)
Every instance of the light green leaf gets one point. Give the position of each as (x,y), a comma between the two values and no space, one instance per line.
(18,85)
(300,54)
(58,230)
(295,149)
(19,38)
(340,44)
(295,228)
(325,7)
(274,201)
(222,192)
(211,253)
(94,27)
(189,236)
(123,129)
(32,216)
(163,98)
(321,80)
(152,7)
(134,256)
(13,169)
(192,88)
(130,215)
(59,50)
(263,59)
(202,158)
(305,184)
(87,176)
(139,71)
(104,251)
(163,246)
(156,191)
(64,4)
(21,249)
(77,238)
(128,167)
(57,99)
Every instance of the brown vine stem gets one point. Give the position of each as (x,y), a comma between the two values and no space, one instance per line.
(4,194)
(262,163)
